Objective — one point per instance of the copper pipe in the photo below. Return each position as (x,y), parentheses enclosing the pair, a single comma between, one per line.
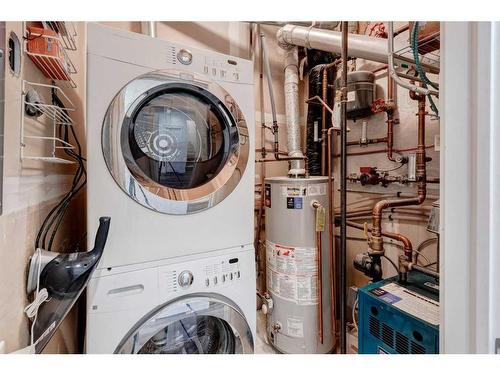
(324,87)
(331,227)
(390,116)
(376,244)
(379,151)
(369,142)
(263,152)
(319,248)
(266,150)
(320,288)
(407,245)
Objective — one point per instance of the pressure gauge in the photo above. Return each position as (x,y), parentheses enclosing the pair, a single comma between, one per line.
(185,279)
(185,57)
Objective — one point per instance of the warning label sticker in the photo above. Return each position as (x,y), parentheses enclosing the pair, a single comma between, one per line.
(295,327)
(316,189)
(410,302)
(293,191)
(292,273)
(303,191)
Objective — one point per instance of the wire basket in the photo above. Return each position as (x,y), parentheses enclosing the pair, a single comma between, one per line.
(46,49)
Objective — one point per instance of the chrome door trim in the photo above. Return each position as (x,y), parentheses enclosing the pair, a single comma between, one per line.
(149,193)
(167,313)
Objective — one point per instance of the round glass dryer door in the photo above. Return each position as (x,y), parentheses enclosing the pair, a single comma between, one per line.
(193,324)
(175,143)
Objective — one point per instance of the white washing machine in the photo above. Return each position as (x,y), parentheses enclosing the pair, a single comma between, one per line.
(189,305)
(170,147)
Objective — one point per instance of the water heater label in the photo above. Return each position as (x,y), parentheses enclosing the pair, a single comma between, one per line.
(292,273)
(293,191)
(316,189)
(267,195)
(294,203)
(303,191)
(295,327)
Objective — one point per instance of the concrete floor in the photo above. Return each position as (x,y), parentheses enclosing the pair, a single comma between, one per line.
(261,344)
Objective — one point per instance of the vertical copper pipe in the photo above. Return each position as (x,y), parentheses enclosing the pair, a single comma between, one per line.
(324,88)
(343,193)
(376,244)
(319,247)
(261,255)
(331,234)
(390,117)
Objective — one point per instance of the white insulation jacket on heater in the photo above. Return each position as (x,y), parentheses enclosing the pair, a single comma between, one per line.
(292,110)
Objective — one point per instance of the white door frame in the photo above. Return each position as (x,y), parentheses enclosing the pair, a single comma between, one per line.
(470,179)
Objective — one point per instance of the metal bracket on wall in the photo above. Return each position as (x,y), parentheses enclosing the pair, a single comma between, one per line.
(48,116)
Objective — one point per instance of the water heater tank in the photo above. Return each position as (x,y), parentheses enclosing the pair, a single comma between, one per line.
(295,322)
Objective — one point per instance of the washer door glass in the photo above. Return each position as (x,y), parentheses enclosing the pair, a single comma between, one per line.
(195,324)
(176,144)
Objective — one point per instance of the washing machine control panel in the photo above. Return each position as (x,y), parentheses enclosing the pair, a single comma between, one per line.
(222,273)
(200,275)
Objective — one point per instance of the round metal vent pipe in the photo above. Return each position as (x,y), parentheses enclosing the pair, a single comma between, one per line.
(361,46)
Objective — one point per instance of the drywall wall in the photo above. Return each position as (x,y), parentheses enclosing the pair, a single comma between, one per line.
(31,189)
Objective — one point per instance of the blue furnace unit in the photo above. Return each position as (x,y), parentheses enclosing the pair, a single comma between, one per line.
(397,318)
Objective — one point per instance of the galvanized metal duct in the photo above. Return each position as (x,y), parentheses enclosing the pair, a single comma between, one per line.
(291,62)
(360,46)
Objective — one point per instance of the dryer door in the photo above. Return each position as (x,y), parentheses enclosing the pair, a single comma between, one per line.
(192,324)
(175,142)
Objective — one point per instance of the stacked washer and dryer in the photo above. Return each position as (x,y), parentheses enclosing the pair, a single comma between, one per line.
(170,160)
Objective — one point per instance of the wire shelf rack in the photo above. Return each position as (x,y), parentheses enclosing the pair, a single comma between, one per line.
(50,116)
(55,65)
(66,31)
(428,54)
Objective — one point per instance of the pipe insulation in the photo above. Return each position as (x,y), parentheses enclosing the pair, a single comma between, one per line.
(291,87)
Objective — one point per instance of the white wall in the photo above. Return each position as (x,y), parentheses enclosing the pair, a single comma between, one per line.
(31,189)
(470,210)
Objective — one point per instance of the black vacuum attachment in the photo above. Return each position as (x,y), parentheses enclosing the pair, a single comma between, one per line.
(65,277)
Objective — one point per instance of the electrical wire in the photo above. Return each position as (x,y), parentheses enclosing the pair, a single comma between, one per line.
(391,262)
(391,170)
(353,313)
(52,222)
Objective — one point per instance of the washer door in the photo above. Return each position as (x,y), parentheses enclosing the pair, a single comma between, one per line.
(192,324)
(175,142)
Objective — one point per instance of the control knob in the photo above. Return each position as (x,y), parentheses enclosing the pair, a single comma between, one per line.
(185,279)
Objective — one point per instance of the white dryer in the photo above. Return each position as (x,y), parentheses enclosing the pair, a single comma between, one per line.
(188,305)
(170,147)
